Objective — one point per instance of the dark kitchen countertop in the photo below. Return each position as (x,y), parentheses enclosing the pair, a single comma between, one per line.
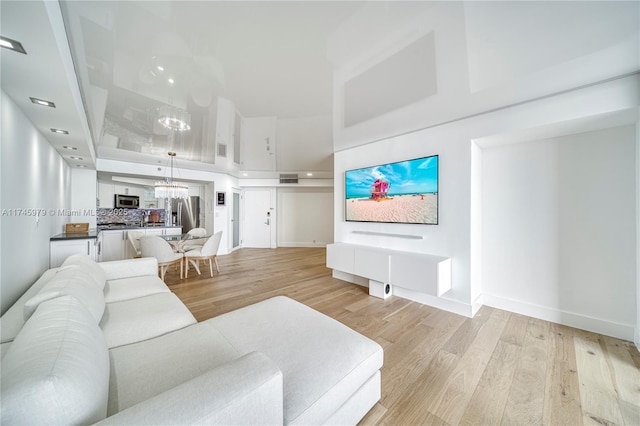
(92,234)
(120,227)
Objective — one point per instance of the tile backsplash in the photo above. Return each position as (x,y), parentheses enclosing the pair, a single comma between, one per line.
(105,216)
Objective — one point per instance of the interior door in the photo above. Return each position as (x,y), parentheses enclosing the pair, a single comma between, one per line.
(256,230)
(236,219)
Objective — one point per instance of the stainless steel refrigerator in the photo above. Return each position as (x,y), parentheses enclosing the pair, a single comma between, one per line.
(186,212)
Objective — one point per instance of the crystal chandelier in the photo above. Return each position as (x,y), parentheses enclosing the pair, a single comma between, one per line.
(170,189)
(174,118)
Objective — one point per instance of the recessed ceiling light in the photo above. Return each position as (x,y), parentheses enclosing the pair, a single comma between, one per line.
(60,131)
(245,174)
(309,174)
(43,102)
(72,148)
(76,158)
(82,166)
(171,81)
(160,68)
(14,45)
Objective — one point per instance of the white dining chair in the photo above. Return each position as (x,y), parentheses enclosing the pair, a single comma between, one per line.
(160,249)
(134,240)
(208,252)
(194,242)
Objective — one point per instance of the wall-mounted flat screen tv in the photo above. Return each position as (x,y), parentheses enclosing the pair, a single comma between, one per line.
(402,192)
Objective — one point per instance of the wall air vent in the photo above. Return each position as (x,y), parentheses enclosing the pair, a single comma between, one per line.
(222,150)
(288,178)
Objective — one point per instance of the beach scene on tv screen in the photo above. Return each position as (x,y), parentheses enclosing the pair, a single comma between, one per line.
(402,192)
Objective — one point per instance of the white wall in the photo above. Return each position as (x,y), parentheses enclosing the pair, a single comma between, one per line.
(459,209)
(33,176)
(259,143)
(83,196)
(305,144)
(558,218)
(305,217)
(450,238)
(490,90)
(476,225)
(637,333)
(222,215)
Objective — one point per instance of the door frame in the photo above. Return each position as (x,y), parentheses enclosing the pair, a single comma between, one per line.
(238,191)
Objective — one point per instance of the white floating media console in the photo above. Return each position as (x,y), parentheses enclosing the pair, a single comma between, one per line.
(423,273)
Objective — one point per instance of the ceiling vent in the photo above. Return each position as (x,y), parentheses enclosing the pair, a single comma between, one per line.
(222,150)
(288,178)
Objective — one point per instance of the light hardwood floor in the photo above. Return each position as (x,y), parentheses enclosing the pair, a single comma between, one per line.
(441,368)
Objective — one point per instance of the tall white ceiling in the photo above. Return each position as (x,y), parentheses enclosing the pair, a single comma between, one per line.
(288,59)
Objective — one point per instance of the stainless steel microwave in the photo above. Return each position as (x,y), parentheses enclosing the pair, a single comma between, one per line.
(126,201)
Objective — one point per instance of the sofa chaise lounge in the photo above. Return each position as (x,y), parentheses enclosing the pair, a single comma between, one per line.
(109,343)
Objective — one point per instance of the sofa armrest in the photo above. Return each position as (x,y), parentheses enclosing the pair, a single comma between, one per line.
(247,390)
(117,269)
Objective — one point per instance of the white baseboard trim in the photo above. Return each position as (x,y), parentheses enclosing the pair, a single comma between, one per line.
(307,244)
(596,325)
(449,305)
(476,305)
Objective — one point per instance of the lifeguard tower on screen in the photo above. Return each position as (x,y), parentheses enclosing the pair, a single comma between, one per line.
(380,190)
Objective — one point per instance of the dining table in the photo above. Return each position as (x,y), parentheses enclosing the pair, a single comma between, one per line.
(178,241)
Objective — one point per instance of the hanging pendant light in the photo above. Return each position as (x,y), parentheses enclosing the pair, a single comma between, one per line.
(170,189)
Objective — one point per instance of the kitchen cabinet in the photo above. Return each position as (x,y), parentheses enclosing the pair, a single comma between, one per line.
(173,231)
(129,190)
(149,200)
(105,195)
(161,204)
(163,231)
(59,250)
(112,245)
(106,191)
(154,232)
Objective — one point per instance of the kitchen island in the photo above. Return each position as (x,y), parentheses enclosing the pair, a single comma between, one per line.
(113,241)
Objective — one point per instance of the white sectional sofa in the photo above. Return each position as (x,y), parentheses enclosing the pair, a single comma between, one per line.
(109,343)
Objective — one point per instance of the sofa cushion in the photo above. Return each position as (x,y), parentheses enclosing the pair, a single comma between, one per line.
(243,391)
(131,321)
(74,282)
(13,320)
(323,361)
(142,370)
(85,263)
(56,371)
(4,347)
(132,288)
(116,269)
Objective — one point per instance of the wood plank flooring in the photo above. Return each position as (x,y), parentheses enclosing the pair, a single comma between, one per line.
(441,368)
